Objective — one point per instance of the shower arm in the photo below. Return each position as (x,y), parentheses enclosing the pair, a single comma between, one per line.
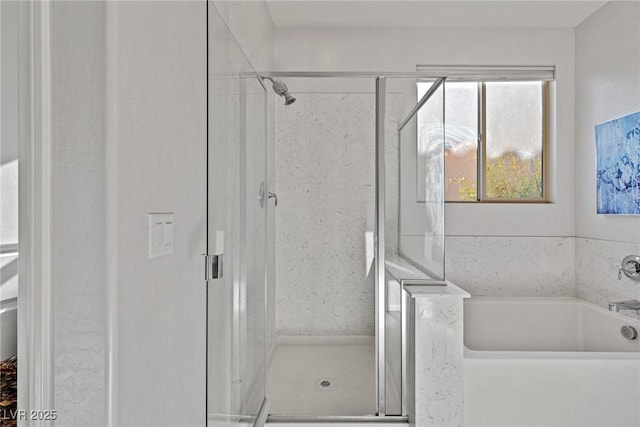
(280,88)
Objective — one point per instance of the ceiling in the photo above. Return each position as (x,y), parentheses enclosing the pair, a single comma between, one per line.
(427,13)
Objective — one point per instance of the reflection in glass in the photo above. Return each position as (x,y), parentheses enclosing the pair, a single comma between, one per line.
(430,169)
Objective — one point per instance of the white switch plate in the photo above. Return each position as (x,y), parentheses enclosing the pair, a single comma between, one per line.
(161,228)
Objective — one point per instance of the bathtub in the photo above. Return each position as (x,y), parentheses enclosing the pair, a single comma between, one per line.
(8,328)
(548,362)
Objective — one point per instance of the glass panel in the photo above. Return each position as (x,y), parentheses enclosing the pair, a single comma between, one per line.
(431,156)
(461,141)
(422,187)
(395,109)
(514,140)
(236,228)
(414,215)
(325,163)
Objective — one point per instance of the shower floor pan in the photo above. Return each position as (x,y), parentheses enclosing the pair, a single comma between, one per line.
(323,376)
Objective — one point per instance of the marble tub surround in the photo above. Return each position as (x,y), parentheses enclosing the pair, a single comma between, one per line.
(512,266)
(597,263)
(435,355)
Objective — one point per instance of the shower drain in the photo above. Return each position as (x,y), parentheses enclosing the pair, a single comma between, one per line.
(325,383)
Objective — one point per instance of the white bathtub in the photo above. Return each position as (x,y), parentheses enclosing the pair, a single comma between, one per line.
(8,328)
(548,362)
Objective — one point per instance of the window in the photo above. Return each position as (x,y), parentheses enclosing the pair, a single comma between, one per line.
(495,140)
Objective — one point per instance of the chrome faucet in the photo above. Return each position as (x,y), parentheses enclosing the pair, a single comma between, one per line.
(624,305)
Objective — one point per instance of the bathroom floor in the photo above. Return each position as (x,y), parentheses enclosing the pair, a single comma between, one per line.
(323,376)
(8,391)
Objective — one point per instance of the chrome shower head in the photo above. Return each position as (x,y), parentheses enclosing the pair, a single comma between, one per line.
(288,98)
(281,89)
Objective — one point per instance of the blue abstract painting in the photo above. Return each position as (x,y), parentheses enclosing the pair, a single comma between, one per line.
(618,164)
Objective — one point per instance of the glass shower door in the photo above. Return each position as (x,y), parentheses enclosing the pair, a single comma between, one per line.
(414,221)
(236,233)
(422,181)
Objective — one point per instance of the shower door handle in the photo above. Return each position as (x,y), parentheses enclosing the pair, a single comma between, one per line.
(213,266)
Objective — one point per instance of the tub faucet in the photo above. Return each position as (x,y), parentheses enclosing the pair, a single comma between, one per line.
(624,305)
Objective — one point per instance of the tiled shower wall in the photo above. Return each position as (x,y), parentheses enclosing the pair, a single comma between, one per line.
(325,178)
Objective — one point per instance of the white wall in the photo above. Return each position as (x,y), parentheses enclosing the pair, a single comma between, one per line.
(159,165)
(142,67)
(251,25)
(607,87)
(78,206)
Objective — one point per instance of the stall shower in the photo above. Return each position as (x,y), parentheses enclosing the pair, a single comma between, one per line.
(317,236)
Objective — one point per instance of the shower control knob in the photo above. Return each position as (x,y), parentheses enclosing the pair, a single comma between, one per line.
(630,267)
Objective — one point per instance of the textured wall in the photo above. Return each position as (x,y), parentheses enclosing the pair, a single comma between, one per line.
(511,266)
(325,183)
(78,262)
(160,166)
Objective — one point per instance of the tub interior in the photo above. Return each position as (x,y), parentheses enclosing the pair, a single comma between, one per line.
(544,324)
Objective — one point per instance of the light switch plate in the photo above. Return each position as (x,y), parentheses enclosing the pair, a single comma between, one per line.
(161,228)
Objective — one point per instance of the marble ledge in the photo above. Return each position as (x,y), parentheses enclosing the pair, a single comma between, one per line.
(425,291)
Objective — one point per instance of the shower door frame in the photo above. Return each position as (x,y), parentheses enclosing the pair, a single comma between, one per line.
(380,79)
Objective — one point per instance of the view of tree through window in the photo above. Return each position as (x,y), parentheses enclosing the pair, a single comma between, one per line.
(514,142)
(510,151)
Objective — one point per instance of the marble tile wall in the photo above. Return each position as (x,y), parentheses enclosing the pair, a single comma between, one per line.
(597,263)
(541,266)
(325,181)
(435,358)
(511,266)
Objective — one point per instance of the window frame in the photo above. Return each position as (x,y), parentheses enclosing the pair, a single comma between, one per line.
(481,191)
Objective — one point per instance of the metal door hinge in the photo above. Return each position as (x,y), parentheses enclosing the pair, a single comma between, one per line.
(213,266)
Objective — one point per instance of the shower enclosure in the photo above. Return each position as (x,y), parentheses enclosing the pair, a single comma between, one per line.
(312,235)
